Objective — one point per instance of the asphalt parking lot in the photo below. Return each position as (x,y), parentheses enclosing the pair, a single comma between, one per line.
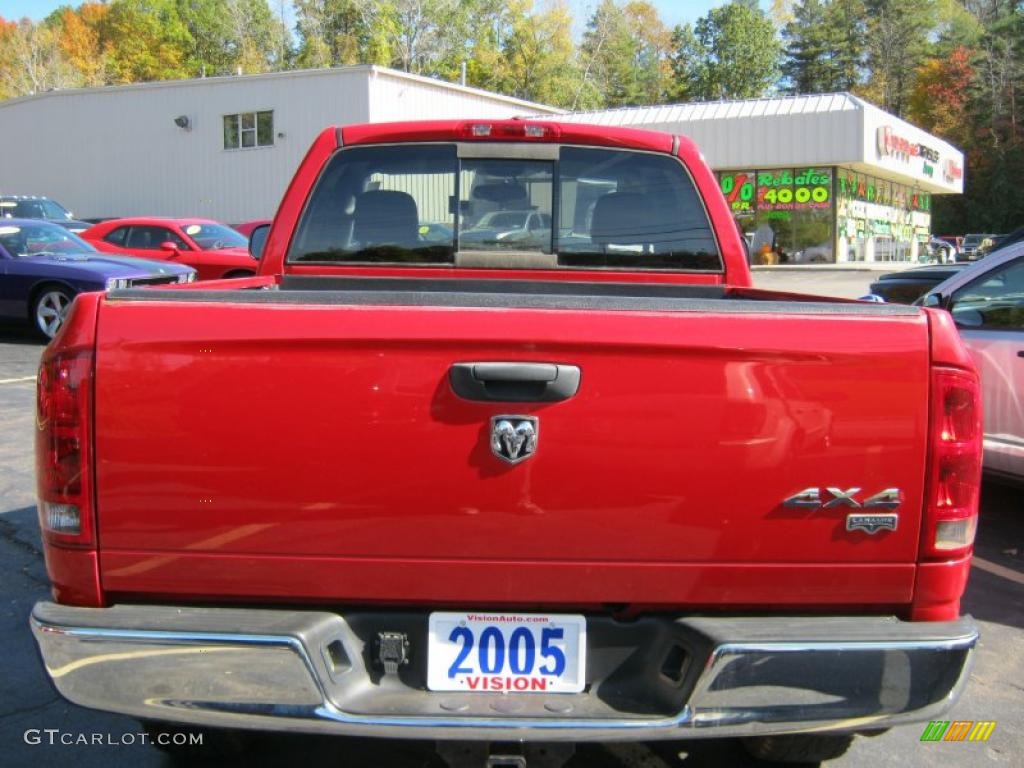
(29,705)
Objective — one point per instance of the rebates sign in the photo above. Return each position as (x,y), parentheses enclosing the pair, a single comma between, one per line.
(786,190)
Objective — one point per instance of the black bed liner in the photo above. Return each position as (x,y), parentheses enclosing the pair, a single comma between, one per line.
(522,294)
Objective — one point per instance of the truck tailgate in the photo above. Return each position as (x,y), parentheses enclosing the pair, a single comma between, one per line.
(309,446)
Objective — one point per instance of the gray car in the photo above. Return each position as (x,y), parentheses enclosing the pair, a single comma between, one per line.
(987,302)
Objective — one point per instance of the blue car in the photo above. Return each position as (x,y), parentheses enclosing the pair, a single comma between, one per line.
(36,207)
(43,266)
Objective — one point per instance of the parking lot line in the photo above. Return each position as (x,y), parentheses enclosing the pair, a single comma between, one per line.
(998,570)
(18,380)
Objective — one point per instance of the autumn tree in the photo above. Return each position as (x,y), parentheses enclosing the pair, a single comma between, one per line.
(332,33)
(625,54)
(420,34)
(147,40)
(7,31)
(228,35)
(941,95)
(489,26)
(31,60)
(897,44)
(540,57)
(78,36)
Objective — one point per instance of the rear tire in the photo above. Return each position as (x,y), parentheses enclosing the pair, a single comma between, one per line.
(798,748)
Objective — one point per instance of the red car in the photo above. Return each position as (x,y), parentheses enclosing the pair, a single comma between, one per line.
(246,227)
(215,250)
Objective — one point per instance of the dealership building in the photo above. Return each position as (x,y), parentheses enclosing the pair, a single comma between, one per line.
(817,178)
(220,147)
(813,178)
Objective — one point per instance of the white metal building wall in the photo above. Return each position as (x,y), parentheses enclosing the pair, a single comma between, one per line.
(117,152)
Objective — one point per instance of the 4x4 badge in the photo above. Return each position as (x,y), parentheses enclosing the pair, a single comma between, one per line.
(514,438)
(815,498)
(869,520)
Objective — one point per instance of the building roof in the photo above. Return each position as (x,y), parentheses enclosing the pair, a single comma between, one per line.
(719,110)
(369,70)
(817,130)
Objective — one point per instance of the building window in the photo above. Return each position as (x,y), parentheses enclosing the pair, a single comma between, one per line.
(249,129)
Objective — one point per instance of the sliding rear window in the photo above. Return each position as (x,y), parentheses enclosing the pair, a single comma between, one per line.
(592,208)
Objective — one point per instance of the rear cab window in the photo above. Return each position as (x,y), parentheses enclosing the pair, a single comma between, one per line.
(581,208)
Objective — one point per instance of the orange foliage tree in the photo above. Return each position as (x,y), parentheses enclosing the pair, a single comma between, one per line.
(80,41)
(940,99)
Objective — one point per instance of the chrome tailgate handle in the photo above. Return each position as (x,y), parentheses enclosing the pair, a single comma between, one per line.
(514,382)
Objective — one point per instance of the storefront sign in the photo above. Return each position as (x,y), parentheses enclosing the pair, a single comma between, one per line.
(891,144)
(738,188)
(857,186)
(786,190)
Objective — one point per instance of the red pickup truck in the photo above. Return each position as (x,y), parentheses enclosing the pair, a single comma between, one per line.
(500,445)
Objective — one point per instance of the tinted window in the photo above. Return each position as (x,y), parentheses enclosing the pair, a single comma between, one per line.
(372,203)
(631,210)
(417,203)
(994,301)
(499,202)
(149,238)
(117,236)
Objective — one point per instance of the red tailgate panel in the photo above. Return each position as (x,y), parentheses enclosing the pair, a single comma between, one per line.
(317,451)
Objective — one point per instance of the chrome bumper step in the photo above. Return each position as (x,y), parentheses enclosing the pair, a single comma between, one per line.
(653,678)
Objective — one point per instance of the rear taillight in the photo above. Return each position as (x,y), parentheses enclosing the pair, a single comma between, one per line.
(63,448)
(954,471)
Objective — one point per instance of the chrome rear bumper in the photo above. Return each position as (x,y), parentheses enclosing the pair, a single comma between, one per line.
(307,671)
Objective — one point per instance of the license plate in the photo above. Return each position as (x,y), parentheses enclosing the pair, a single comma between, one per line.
(510,653)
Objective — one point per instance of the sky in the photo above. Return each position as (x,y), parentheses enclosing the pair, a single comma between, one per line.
(672,11)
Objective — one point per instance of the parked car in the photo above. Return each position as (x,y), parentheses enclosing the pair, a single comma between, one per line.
(970,246)
(908,285)
(509,229)
(246,227)
(987,303)
(36,207)
(815,254)
(43,267)
(432,232)
(213,249)
(599,491)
